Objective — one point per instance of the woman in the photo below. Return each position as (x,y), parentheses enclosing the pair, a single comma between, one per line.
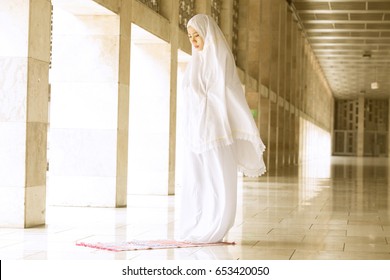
(221,136)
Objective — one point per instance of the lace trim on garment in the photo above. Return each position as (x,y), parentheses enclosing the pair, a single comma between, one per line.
(259,148)
(251,173)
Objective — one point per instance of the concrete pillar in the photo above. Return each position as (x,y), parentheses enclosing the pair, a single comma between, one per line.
(24,66)
(123,103)
(242,44)
(174,27)
(227,20)
(203,7)
(265,48)
(281,151)
(388,134)
(253,39)
(274,86)
(289,126)
(294,136)
(360,129)
(264,123)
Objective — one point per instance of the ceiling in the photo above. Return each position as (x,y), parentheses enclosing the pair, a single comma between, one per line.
(351,39)
(82,7)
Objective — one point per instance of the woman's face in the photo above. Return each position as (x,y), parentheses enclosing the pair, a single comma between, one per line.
(195,39)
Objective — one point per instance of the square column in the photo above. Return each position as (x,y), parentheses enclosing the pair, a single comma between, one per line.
(360,128)
(24,67)
(203,6)
(123,103)
(174,27)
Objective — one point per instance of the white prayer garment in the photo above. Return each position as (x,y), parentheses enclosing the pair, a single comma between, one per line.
(221,137)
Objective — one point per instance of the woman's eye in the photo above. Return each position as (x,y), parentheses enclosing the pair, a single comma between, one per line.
(193,36)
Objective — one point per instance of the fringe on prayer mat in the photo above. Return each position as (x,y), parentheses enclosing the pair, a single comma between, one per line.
(147,245)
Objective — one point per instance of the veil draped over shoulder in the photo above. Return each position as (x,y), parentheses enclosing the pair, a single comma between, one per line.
(216,111)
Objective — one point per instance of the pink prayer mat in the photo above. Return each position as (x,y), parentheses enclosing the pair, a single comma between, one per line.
(146,245)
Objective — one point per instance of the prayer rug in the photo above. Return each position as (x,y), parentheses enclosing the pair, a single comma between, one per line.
(146,245)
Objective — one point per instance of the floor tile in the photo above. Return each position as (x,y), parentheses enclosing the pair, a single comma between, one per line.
(295,215)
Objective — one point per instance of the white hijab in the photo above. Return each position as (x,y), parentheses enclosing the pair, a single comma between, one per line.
(217,113)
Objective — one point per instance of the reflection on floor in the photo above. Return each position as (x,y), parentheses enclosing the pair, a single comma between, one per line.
(336,209)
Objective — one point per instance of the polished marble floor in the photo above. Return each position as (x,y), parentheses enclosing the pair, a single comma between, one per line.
(332,209)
